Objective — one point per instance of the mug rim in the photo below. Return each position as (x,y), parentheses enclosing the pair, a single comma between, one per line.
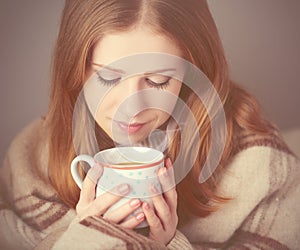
(130,166)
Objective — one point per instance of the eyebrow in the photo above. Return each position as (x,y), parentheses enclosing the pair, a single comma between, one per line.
(123,72)
(109,68)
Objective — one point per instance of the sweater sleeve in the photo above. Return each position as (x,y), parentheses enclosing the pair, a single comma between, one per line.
(97,233)
(179,241)
(263,183)
(33,217)
(90,233)
(47,226)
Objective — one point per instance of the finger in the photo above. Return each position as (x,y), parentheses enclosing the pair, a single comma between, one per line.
(152,219)
(167,181)
(88,191)
(95,172)
(134,221)
(161,207)
(166,176)
(123,211)
(106,200)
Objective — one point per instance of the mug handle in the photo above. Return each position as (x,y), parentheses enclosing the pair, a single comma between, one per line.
(74,167)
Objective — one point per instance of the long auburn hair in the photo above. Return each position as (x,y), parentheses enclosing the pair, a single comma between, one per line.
(190,25)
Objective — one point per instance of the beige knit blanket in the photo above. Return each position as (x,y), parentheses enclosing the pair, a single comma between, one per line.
(263,178)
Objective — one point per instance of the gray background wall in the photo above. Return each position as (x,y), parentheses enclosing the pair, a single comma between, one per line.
(261,40)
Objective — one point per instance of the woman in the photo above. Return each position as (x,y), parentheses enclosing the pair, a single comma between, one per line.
(249,200)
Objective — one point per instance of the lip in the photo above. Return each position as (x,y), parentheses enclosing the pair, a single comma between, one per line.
(130,128)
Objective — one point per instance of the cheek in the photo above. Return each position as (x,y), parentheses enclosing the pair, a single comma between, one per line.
(109,102)
(176,87)
(163,116)
(105,109)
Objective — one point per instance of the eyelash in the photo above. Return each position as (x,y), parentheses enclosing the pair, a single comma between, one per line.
(108,82)
(151,83)
(161,85)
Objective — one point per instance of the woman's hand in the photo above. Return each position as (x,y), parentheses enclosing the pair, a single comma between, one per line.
(88,205)
(163,218)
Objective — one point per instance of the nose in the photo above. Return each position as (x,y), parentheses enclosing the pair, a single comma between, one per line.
(133,85)
(133,101)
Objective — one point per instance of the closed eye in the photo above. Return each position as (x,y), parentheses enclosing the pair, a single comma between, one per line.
(108,82)
(157,84)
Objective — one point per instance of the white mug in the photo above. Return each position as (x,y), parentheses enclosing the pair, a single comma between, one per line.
(136,166)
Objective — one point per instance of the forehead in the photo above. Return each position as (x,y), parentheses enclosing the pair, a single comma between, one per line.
(115,46)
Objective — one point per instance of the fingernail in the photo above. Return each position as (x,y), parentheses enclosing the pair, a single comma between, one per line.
(168,163)
(135,203)
(95,172)
(140,216)
(123,188)
(154,189)
(146,206)
(161,171)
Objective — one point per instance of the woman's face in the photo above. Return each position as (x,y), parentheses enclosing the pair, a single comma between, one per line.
(115,112)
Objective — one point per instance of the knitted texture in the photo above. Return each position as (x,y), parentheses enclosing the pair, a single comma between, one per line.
(262,179)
